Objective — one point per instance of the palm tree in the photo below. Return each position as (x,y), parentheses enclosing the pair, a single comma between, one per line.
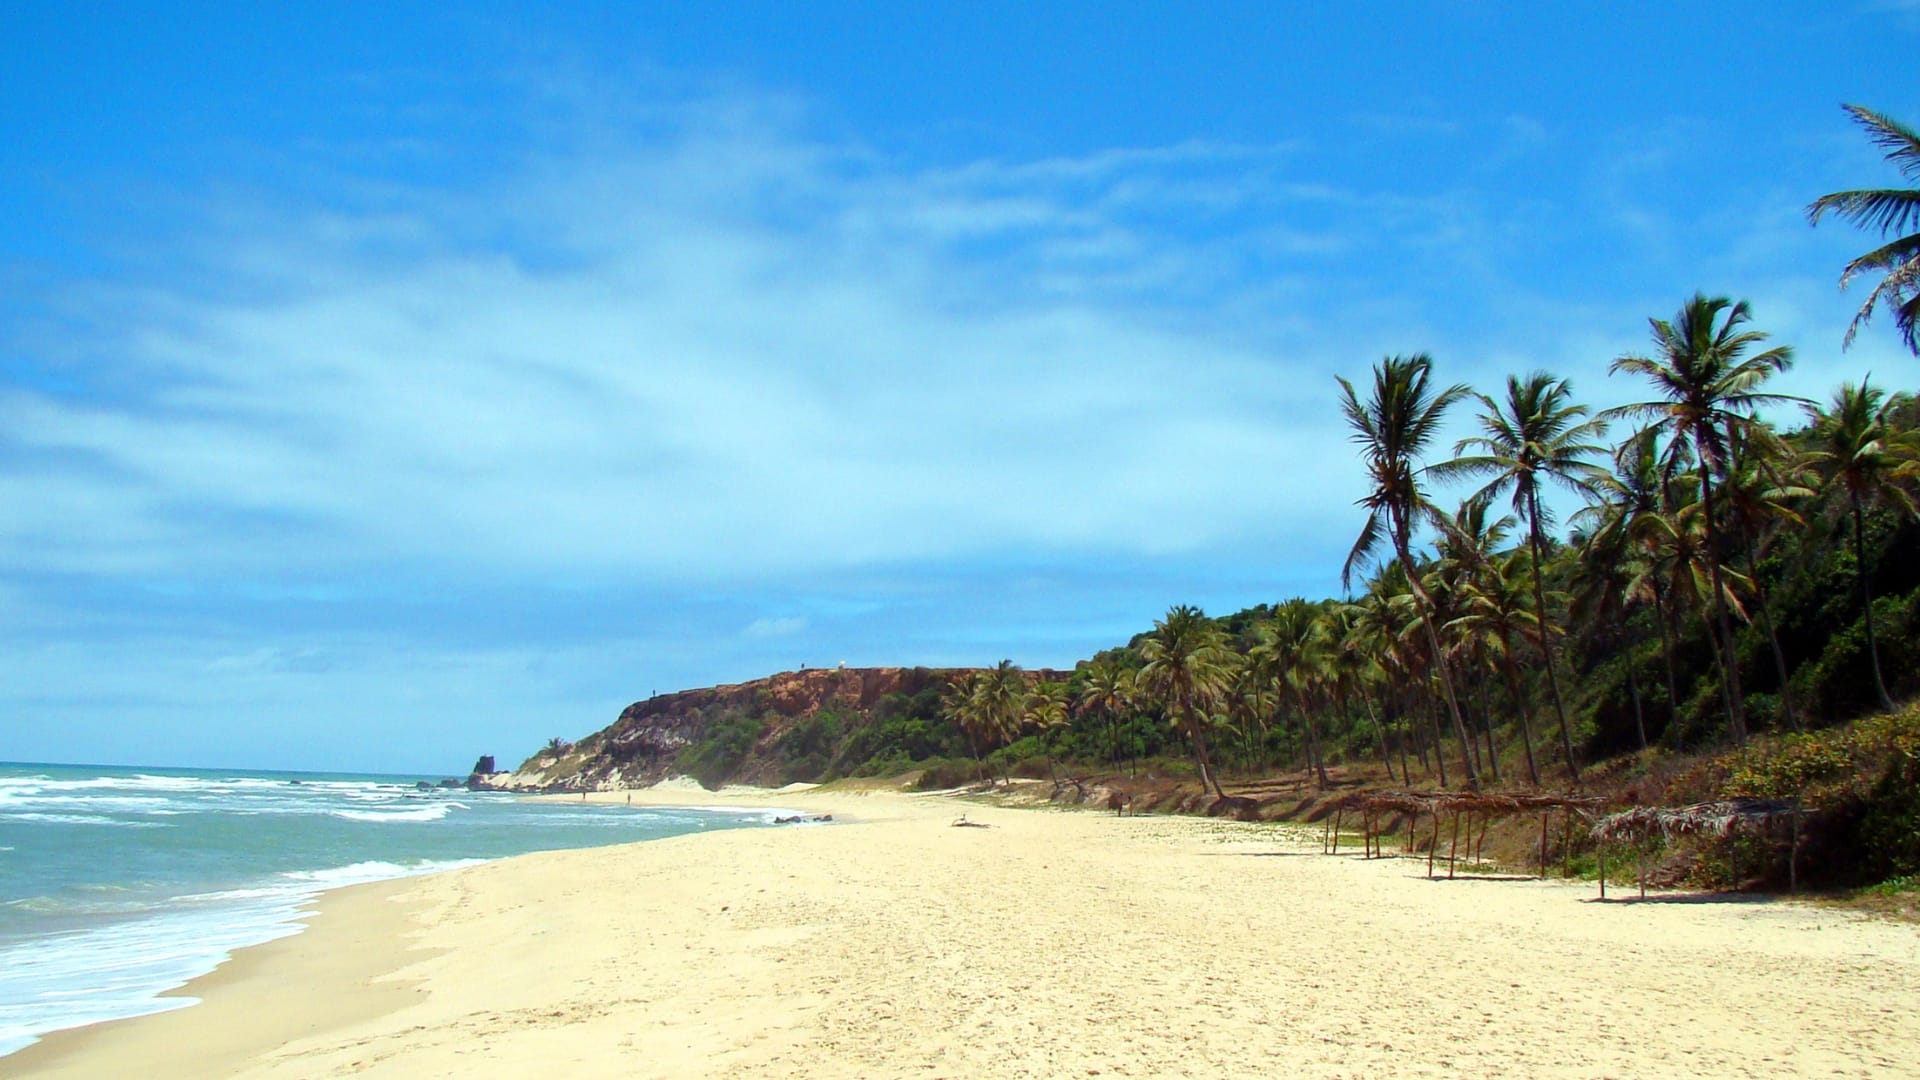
(1394,428)
(1759,496)
(1282,655)
(1534,439)
(1708,389)
(1466,545)
(1856,446)
(1108,692)
(960,706)
(1190,668)
(1353,665)
(1379,621)
(1601,596)
(1887,210)
(1253,702)
(1625,503)
(1493,616)
(1682,567)
(1000,702)
(1046,712)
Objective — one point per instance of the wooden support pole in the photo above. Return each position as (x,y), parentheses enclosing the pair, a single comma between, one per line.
(1454,851)
(1480,848)
(1602,847)
(1793,855)
(1543,842)
(1336,830)
(1435,845)
(1566,843)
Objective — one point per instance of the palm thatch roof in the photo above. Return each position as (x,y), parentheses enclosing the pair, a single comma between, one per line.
(1718,818)
(1486,803)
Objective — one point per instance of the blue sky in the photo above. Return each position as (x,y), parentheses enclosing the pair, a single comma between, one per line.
(383,386)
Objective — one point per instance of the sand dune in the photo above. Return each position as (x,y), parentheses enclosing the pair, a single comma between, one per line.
(1051,944)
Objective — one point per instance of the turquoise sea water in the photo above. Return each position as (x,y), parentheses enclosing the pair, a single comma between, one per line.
(119,883)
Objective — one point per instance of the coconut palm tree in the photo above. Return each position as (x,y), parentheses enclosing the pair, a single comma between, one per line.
(1760,496)
(1682,566)
(1000,703)
(1886,210)
(1535,439)
(1354,667)
(1283,655)
(1600,600)
(1108,692)
(1381,616)
(1190,668)
(1625,503)
(1494,617)
(1394,428)
(1045,711)
(1252,705)
(1709,392)
(960,706)
(1866,461)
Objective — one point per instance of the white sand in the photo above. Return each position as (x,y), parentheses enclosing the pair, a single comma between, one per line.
(1051,944)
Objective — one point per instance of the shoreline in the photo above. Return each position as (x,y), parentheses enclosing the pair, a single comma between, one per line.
(1051,943)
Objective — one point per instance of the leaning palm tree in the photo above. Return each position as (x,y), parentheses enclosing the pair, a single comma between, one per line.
(1887,210)
(1863,457)
(1394,428)
(1190,668)
(1535,439)
(1709,392)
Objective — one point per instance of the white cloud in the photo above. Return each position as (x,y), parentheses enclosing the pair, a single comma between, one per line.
(732,353)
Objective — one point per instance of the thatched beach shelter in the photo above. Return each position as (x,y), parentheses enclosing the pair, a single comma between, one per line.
(1375,808)
(1760,817)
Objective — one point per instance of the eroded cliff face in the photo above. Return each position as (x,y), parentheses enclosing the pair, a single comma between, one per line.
(643,745)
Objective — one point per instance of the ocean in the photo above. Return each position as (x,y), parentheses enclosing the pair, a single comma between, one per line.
(117,884)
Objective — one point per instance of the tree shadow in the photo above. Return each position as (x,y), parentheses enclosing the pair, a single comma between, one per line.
(1687,898)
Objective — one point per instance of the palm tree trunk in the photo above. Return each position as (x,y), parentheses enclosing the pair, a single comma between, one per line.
(1425,605)
(1766,623)
(1729,660)
(1525,714)
(1866,603)
(1379,730)
(1664,613)
(1546,638)
(1316,761)
(1439,762)
(1486,725)
(1633,686)
(1207,777)
(1389,710)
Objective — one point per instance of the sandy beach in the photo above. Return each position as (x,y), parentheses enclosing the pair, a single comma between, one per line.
(1049,944)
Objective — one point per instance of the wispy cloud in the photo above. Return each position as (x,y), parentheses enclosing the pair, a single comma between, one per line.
(673,395)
